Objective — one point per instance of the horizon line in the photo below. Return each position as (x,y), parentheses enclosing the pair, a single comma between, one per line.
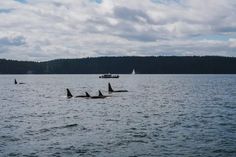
(117,57)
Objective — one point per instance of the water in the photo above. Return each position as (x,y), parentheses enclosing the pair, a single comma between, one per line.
(161,115)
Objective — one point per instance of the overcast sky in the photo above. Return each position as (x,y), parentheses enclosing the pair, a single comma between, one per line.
(48,29)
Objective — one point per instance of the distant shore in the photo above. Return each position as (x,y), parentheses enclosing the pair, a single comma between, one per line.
(124,65)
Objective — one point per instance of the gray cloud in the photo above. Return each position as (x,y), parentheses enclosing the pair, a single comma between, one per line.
(227,29)
(5,10)
(16,41)
(132,15)
(43,30)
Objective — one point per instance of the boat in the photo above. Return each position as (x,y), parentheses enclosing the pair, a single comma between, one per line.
(133,72)
(109,76)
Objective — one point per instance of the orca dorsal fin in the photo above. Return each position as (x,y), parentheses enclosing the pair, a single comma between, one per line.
(110,88)
(87,94)
(69,95)
(15,81)
(100,93)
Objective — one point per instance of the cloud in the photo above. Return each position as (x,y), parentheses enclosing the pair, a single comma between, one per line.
(43,30)
(16,41)
(5,11)
(232,43)
(132,15)
(21,1)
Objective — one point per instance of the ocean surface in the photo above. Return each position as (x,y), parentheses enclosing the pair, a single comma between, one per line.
(161,115)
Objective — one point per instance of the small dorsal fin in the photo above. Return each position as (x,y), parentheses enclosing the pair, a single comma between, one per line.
(87,94)
(110,88)
(69,95)
(15,81)
(100,93)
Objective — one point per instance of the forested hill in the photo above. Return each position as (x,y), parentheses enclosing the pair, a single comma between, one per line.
(124,65)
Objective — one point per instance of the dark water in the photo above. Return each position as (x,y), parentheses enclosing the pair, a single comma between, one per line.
(161,115)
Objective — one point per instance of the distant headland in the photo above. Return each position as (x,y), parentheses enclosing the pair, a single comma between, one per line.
(124,65)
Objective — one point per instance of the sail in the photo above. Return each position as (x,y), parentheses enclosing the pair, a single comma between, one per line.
(133,72)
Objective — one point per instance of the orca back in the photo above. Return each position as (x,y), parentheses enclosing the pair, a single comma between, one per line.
(100,93)
(87,94)
(110,88)
(69,95)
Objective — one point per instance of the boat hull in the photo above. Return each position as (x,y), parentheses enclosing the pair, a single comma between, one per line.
(108,77)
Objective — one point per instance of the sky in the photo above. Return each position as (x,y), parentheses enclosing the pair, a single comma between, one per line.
(42,30)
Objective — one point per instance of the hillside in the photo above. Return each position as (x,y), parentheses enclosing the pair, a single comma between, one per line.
(124,65)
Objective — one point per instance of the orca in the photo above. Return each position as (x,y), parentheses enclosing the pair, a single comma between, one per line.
(69,95)
(17,82)
(110,90)
(100,96)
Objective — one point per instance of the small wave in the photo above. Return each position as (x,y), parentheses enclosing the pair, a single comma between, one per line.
(9,138)
(229,105)
(30,155)
(57,127)
(141,155)
(44,130)
(69,148)
(15,117)
(126,142)
(65,126)
(10,126)
(81,151)
(136,141)
(224,151)
(69,126)
(146,116)
(140,135)
(56,154)
(14,154)
(112,120)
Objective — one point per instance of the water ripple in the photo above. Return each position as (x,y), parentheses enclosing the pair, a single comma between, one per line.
(161,115)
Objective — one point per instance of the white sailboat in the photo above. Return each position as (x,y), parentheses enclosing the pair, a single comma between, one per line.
(133,72)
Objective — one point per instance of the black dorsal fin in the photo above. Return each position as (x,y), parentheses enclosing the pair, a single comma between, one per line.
(110,88)
(87,94)
(15,81)
(100,93)
(69,95)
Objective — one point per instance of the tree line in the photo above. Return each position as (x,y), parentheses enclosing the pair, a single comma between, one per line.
(124,65)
